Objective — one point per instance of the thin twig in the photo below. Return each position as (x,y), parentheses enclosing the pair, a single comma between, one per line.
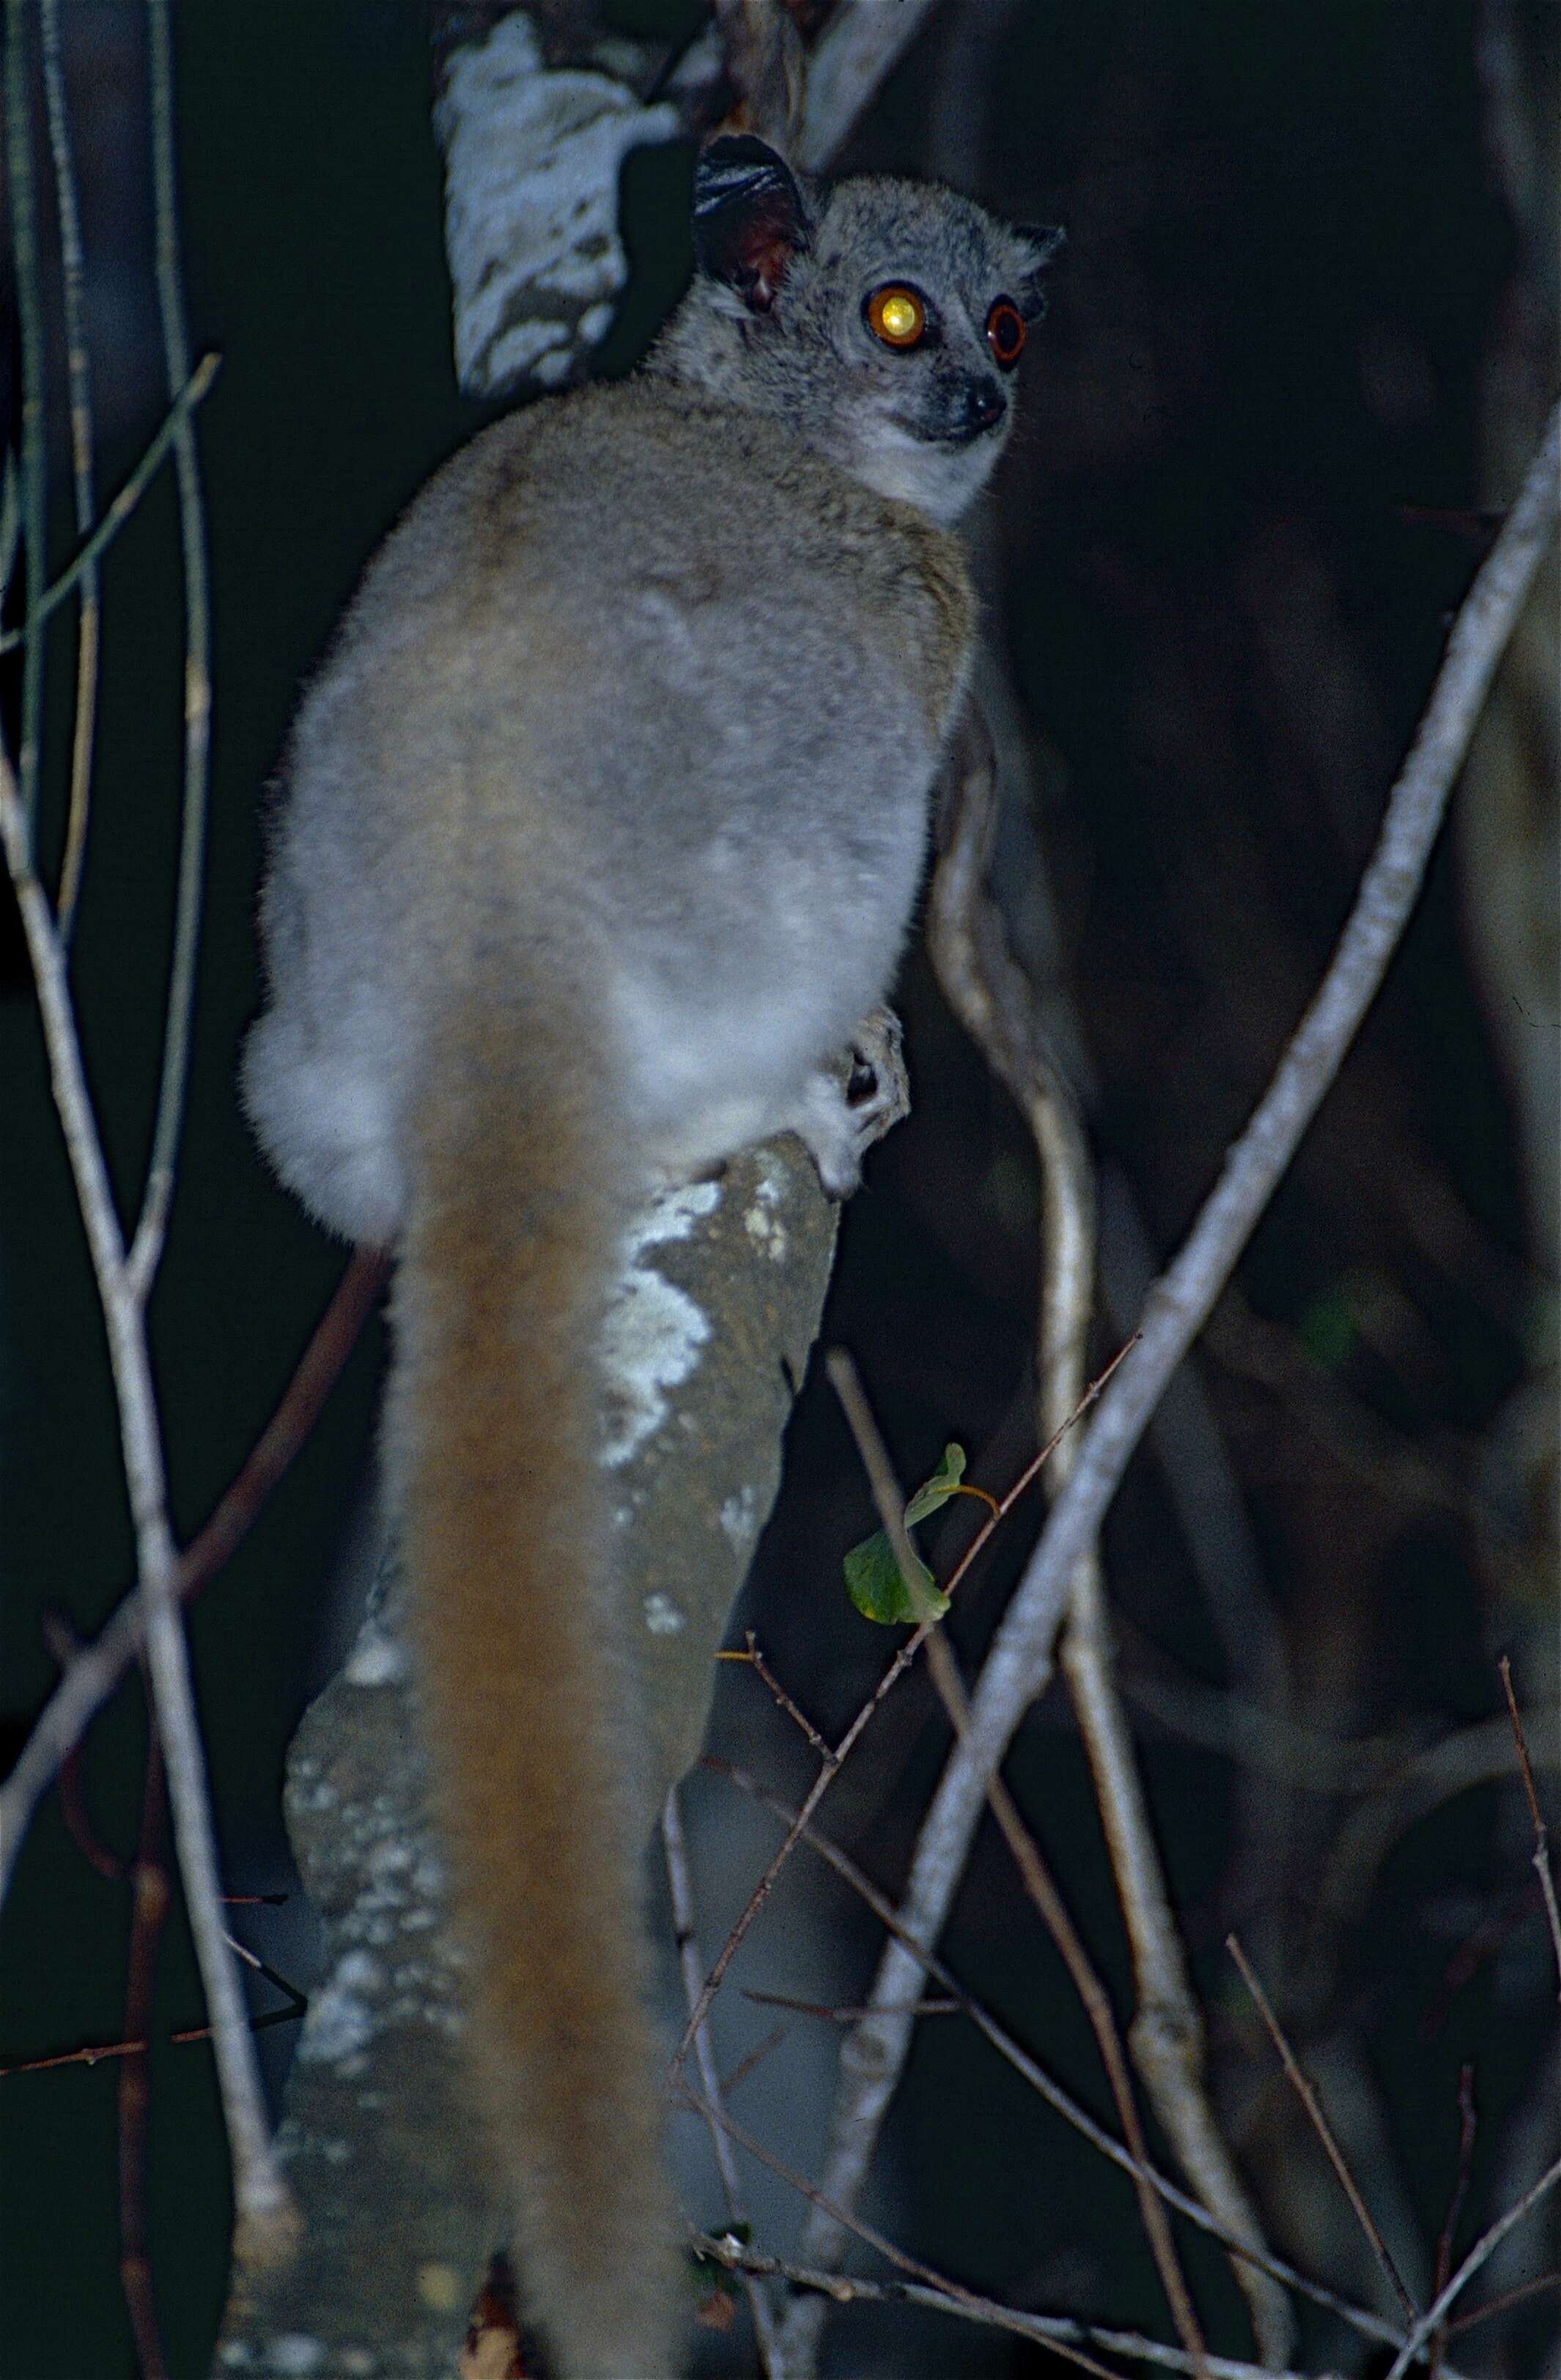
(79,373)
(687,1939)
(1047,2329)
(1039,1883)
(756,1660)
(1449,2232)
(952,2293)
(1321,2126)
(93,1673)
(124,504)
(1486,2245)
(34,457)
(756,2057)
(1541,1833)
(146,1245)
(834,2014)
(1020,1661)
(1359,2318)
(263,2203)
(151,1895)
(833,1761)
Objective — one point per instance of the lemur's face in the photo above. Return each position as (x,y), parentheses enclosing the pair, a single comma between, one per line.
(887,324)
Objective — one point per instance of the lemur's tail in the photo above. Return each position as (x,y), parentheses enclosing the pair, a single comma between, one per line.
(515,1203)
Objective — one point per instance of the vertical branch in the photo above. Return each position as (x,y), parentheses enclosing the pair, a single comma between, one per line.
(79,370)
(149,1886)
(692,1968)
(147,1247)
(34,458)
(263,2205)
(992,998)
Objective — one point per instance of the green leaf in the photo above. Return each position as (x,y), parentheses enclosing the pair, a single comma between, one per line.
(872,1574)
(943,1483)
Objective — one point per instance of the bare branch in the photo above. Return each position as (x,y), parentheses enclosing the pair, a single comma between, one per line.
(1360,2319)
(1320,2125)
(1488,2242)
(1038,1882)
(1047,2329)
(990,994)
(92,1674)
(79,369)
(1020,1660)
(263,2201)
(687,1939)
(1541,1837)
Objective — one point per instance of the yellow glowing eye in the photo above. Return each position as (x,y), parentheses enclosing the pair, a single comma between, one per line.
(896,315)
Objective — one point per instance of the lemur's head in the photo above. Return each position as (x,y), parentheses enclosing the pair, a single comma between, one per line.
(882,320)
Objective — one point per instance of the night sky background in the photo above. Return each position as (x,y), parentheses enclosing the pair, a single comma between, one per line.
(1253,479)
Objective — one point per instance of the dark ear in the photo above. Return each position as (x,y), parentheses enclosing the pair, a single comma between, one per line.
(749,220)
(1040,243)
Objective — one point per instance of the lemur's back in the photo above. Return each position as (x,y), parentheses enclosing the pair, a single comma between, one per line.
(604,824)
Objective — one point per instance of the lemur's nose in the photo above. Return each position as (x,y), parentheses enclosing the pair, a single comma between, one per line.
(985,404)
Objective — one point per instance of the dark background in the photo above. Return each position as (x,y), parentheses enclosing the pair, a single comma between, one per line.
(1245,495)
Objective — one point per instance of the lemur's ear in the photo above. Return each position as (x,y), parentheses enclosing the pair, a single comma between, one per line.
(749,218)
(1039,243)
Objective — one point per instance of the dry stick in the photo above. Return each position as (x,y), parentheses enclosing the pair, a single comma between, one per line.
(124,504)
(689,1961)
(33,460)
(262,2203)
(950,2292)
(1369,2325)
(993,1000)
(92,1674)
(1541,1834)
(834,1760)
(1504,2303)
(1448,2233)
(1019,1662)
(1047,2329)
(1321,2126)
(146,1246)
(1431,2321)
(79,373)
(1038,1882)
(149,1884)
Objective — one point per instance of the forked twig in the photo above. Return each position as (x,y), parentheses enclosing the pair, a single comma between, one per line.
(950,2292)
(263,2203)
(1321,2126)
(1047,2329)
(1432,2320)
(1359,2318)
(833,1760)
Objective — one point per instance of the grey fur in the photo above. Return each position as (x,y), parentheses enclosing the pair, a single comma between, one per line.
(604,822)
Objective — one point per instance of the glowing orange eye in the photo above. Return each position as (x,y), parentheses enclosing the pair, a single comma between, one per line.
(897,315)
(1004,334)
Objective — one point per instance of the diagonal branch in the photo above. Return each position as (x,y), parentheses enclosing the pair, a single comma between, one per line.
(1020,1661)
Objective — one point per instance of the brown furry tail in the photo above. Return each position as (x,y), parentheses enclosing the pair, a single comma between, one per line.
(507,1257)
